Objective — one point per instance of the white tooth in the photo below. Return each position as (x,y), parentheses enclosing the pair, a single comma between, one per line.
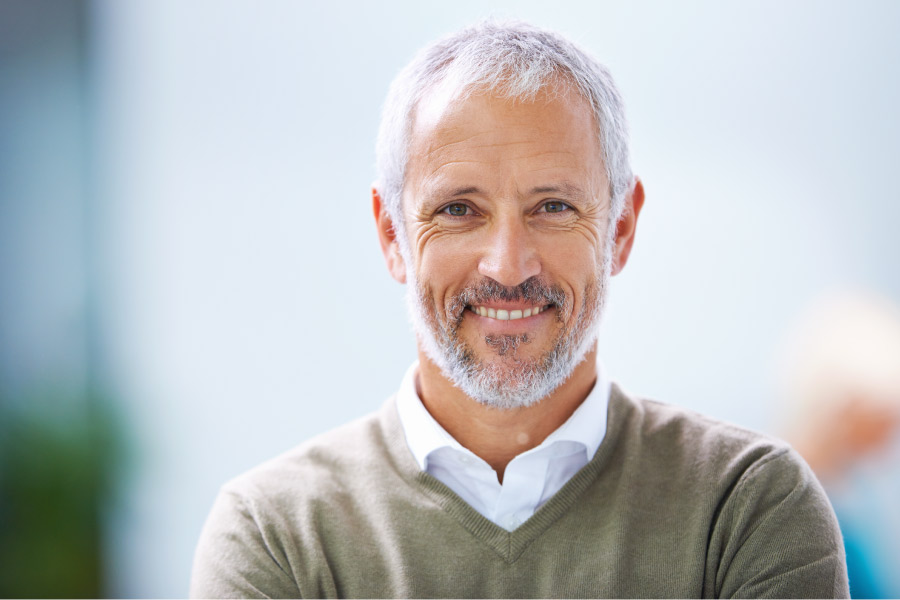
(482,311)
(492,313)
(538,310)
(516,314)
(503,315)
(527,312)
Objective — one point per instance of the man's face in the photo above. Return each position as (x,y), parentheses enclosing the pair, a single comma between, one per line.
(506,210)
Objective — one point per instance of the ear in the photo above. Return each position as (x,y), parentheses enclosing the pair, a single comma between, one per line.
(627,225)
(387,237)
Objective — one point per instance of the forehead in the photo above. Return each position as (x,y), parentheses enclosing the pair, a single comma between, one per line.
(497,140)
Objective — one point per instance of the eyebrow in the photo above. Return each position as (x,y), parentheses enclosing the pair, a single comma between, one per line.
(565,187)
(464,191)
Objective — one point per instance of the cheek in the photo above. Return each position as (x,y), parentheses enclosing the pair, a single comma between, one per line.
(574,260)
(578,270)
(445,257)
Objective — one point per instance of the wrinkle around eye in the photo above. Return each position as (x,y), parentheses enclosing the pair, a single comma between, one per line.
(454,224)
(423,233)
(427,232)
(564,221)
(593,232)
(590,225)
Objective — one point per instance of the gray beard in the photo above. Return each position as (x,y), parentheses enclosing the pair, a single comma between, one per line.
(510,381)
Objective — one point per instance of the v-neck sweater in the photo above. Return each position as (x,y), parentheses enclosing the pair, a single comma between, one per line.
(673,504)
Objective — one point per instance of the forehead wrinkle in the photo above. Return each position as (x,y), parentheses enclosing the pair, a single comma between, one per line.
(432,149)
(550,168)
(436,174)
(559,154)
(462,126)
(546,153)
(448,147)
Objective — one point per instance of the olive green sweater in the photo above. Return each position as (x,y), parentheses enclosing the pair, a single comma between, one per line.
(672,505)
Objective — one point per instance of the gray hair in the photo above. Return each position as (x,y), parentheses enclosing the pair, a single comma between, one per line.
(512,60)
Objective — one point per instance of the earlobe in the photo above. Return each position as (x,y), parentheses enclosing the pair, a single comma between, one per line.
(387,238)
(627,225)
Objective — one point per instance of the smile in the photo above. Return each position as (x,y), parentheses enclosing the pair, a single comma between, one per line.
(507,315)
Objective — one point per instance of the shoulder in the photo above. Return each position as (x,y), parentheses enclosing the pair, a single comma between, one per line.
(731,475)
(328,463)
(263,532)
(755,497)
(681,438)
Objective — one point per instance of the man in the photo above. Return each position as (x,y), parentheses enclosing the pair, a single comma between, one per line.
(507,464)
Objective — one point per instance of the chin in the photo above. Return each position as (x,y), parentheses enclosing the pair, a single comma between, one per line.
(506,381)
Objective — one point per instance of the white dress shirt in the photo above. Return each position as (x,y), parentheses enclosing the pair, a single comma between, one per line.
(530,479)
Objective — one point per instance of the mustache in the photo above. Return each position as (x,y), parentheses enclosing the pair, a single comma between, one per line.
(532,290)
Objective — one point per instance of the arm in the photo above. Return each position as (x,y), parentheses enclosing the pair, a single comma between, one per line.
(238,556)
(777,535)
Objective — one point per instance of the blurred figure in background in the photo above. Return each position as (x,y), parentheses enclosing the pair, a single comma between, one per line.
(840,379)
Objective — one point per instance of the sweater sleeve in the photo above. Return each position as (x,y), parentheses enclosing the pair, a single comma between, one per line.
(777,535)
(235,558)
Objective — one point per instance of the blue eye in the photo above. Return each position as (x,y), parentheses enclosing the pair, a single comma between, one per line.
(456,210)
(555,206)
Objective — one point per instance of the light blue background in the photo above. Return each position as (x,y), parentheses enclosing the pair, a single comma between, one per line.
(242,298)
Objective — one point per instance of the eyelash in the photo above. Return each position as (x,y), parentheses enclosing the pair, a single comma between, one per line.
(469,209)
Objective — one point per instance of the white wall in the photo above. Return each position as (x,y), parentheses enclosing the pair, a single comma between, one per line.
(246,304)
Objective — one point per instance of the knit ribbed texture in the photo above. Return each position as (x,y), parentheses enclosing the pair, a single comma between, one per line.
(672,505)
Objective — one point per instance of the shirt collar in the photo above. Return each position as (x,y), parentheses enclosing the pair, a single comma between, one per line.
(424,435)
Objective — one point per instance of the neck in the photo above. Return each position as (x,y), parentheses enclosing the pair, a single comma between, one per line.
(499,435)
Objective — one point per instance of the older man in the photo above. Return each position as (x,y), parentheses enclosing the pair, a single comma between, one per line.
(507,464)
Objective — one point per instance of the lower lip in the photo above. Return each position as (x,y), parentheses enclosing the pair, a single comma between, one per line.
(511,326)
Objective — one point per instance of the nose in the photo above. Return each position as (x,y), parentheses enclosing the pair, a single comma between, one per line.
(509,256)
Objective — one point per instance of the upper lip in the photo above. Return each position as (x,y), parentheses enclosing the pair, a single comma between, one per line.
(501,305)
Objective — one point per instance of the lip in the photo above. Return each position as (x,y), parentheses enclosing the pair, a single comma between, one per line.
(509,305)
(524,324)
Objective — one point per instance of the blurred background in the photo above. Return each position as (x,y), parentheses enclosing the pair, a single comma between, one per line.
(190,282)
